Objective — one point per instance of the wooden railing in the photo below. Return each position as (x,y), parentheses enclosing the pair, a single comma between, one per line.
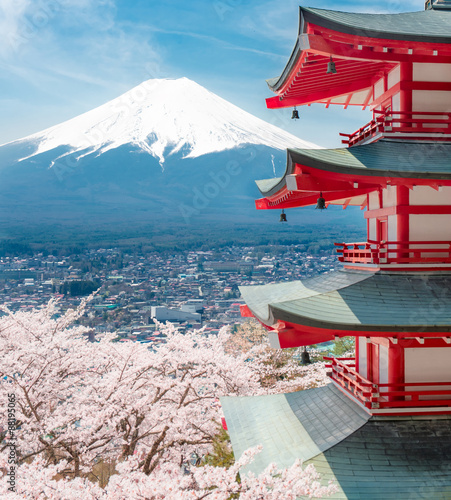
(400,122)
(345,375)
(395,252)
(380,396)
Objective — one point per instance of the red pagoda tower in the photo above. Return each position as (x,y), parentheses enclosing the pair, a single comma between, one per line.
(394,291)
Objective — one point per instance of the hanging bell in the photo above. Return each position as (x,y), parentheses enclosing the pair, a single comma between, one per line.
(305,357)
(295,114)
(283,217)
(320,202)
(331,69)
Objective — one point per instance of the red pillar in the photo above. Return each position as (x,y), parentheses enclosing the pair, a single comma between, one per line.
(406,70)
(372,356)
(395,368)
(357,354)
(402,220)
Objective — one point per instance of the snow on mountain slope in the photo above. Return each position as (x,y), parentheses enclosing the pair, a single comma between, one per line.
(163,117)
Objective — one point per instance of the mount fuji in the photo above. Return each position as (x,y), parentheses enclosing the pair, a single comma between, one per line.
(166,148)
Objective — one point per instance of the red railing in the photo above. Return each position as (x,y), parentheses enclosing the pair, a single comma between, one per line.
(380,396)
(400,122)
(395,252)
(349,379)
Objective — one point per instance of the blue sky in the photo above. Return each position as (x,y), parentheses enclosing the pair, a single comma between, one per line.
(59,58)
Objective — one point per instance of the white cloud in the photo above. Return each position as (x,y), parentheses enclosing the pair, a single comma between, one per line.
(31,22)
(12,14)
(215,40)
(79,40)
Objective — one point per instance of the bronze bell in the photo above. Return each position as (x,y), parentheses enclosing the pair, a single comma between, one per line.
(295,114)
(331,69)
(283,217)
(305,357)
(320,202)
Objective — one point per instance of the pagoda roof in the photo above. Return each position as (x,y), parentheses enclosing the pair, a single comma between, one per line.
(363,46)
(387,157)
(422,26)
(353,301)
(307,430)
(369,165)
(368,458)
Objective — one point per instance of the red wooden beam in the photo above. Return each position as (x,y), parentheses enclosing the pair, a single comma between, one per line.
(318,44)
(245,311)
(409,210)
(306,200)
(407,47)
(319,95)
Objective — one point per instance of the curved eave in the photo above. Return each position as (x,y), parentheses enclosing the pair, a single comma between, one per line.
(363,46)
(344,175)
(347,302)
(430,26)
(385,158)
(356,328)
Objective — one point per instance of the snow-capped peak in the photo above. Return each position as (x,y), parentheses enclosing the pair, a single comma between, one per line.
(163,117)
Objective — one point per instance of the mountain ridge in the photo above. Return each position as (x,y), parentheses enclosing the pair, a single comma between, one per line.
(162,117)
(104,167)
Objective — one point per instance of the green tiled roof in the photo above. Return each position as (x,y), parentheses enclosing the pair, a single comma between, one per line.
(347,300)
(258,298)
(406,159)
(370,459)
(268,184)
(290,426)
(397,459)
(425,25)
(431,26)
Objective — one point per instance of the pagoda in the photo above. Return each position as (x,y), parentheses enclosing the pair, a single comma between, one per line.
(382,428)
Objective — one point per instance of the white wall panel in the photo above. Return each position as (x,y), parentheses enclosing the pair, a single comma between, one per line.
(389,196)
(372,231)
(428,364)
(431,100)
(425,195)
(430,228)
(392,228)
(394,76)
(378,88)
(383,364)
(363,363)
(431,72)
(373,201)
(396,102)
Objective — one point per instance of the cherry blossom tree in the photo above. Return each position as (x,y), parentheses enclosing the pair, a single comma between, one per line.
(167,482)
(79,404)
(278,370)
